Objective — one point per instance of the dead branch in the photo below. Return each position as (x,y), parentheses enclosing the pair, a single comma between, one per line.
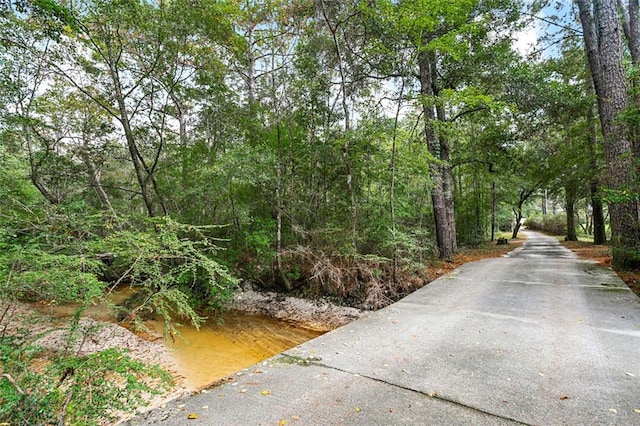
(13,383)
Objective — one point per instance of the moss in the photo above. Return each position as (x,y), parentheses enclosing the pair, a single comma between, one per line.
(613,287)
(305,362)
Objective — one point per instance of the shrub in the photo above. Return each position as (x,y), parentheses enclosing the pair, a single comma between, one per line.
(37,387)
(552,224)
(171,266)
(68,257)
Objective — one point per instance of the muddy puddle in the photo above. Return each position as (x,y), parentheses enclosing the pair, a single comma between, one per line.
(219,350)
(216,350)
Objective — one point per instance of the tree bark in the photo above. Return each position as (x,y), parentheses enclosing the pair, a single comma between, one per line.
(570,199)
(605,57)
(279,209)
(447,186)
(93,173)
(440,169)
(392,187)
(518,214)
(598,220)
(599,228)
(34,174)
(631,28)
(132,146)
(517,211)
(494,203)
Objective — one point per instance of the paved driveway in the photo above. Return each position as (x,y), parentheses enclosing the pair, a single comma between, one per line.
(538,337)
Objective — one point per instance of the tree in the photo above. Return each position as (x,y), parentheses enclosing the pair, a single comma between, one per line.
(334,20)
(602,38)
(136,62)
(442,39)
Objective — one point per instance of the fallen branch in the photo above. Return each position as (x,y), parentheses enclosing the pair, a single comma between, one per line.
(13,383)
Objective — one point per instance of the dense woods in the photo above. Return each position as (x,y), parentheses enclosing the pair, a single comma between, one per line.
(320,147)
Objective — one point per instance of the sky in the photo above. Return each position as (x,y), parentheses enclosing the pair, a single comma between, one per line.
(526,41)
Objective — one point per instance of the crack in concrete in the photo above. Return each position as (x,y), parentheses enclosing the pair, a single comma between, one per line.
(433,395)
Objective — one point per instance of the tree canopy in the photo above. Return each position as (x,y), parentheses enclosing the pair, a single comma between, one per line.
(345,128)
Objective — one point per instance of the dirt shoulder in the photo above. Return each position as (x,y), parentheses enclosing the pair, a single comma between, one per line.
(485,250)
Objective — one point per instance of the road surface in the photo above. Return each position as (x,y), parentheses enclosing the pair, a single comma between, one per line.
(538,337)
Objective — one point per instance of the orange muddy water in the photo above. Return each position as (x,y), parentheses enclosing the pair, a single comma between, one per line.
(219,350)
(216,350)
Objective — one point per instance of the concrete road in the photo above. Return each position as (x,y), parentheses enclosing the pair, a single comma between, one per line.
(538,337)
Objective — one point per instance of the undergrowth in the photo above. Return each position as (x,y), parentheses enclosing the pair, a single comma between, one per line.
(63,385)
(366,282)
(372,282)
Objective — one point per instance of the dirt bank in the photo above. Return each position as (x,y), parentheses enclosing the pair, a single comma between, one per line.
(319,315)
(52,333)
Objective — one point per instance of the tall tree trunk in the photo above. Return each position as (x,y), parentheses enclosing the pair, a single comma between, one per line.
(34,174)
(447,178)
(392,190)
(517,211)
(494,203)
(279,210)
(251,69)
(570,199)
(598,221)
(132,146)
(440,170)
(605,57)
(250,77)
(518,222)
(93,173)
(477,193)
(631,27)
(181,116)
(134,154)
(280,273)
